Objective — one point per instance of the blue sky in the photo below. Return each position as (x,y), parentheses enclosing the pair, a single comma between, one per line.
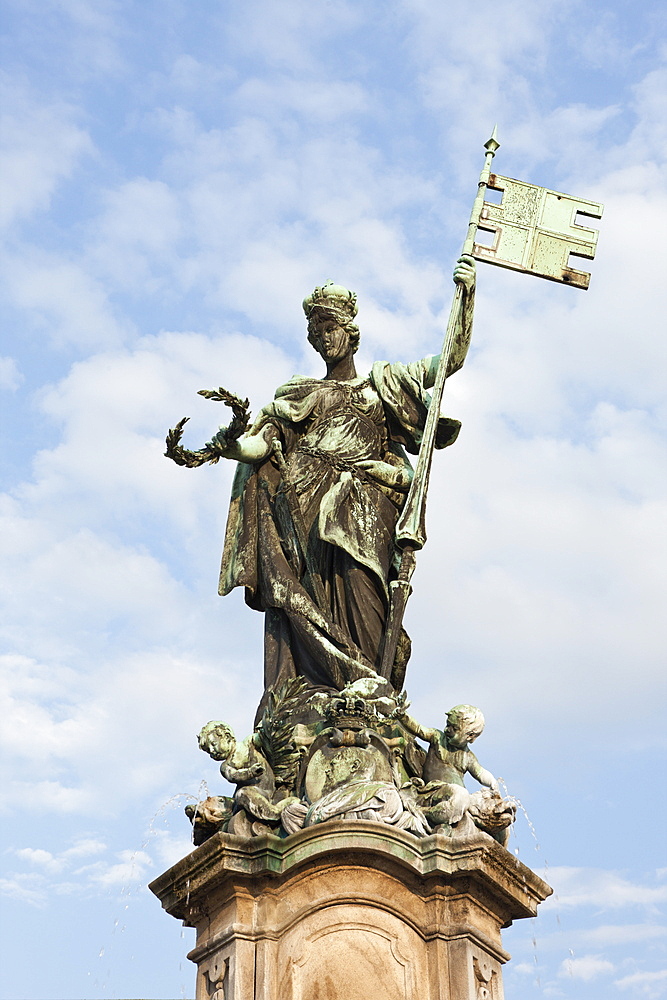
(176,178)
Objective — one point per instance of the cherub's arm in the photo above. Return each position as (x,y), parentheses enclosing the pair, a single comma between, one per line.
(241,767)
(480,773)
(414,727)
(240,775)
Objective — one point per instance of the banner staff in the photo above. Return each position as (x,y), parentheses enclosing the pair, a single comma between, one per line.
(411,526)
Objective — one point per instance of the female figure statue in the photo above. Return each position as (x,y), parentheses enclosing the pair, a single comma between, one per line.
(322,476)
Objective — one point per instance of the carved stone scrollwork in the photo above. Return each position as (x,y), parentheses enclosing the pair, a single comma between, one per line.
(216,978)
(485,980)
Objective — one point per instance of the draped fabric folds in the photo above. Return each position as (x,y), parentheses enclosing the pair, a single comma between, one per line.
(345,444)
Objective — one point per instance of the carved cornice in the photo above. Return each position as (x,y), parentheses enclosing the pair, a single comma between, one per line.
(436,864)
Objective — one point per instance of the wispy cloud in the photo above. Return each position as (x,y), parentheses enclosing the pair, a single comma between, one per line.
(42,144)
(608,935)
(123,872)
(587,967)
(25,888)
(645,984)
(10,376)
(130,868)
(578,887)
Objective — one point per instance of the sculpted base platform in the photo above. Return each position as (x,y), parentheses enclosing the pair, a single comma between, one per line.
(349,911)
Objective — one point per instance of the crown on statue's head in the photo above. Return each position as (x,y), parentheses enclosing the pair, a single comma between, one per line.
(334,299)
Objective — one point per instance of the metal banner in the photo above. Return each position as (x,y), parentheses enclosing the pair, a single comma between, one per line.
(536,230)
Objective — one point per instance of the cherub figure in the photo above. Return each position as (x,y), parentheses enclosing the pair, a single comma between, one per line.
(444,797)
(246,767)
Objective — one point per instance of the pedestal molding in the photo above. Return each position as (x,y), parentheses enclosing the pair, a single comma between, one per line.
(433,933)
(225,855)
(290,918)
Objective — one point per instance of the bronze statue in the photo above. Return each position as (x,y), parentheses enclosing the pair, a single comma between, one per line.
(325,520)
(322,476)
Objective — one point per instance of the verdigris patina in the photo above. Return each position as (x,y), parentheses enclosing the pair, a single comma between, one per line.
(322,476)
(356,759)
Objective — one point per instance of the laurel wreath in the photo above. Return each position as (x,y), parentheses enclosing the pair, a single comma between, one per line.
(215,449)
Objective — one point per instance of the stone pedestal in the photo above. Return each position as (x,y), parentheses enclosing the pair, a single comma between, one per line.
(349,911)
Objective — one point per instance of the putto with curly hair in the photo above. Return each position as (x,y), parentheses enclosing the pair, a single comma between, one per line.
(217,740)
(467,720)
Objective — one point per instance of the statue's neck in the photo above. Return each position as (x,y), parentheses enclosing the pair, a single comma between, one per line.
(342,370)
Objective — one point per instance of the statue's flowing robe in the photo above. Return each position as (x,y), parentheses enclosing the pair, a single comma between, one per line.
(326,428)
(373,801)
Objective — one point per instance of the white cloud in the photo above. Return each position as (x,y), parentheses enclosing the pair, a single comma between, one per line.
(524,968)
(647,984)
(609,935)
(322,100)
(82,35)
(576,131)
(129,869)
(80,573)
(135,239)
(115,410)
(169,848)
(42,146)
(84,848)
(587,968)
(43,797)
(56,747)
(603,44)
(196,76)
(238,184)
(505,47)
(54,864)
(61,297)
(10,376)
(297,40)
(40,858)
(25,888)
(649,138)
(58,874)
(574,887)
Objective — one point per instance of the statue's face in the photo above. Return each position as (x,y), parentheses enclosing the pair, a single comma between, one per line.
(459,735)
(219,744)
(343,769)
(328,337)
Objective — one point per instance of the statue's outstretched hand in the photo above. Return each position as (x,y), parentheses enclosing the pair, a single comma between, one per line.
(223,444)
(465,272)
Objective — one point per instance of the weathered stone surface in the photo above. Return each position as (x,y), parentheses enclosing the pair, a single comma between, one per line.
(349,911)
